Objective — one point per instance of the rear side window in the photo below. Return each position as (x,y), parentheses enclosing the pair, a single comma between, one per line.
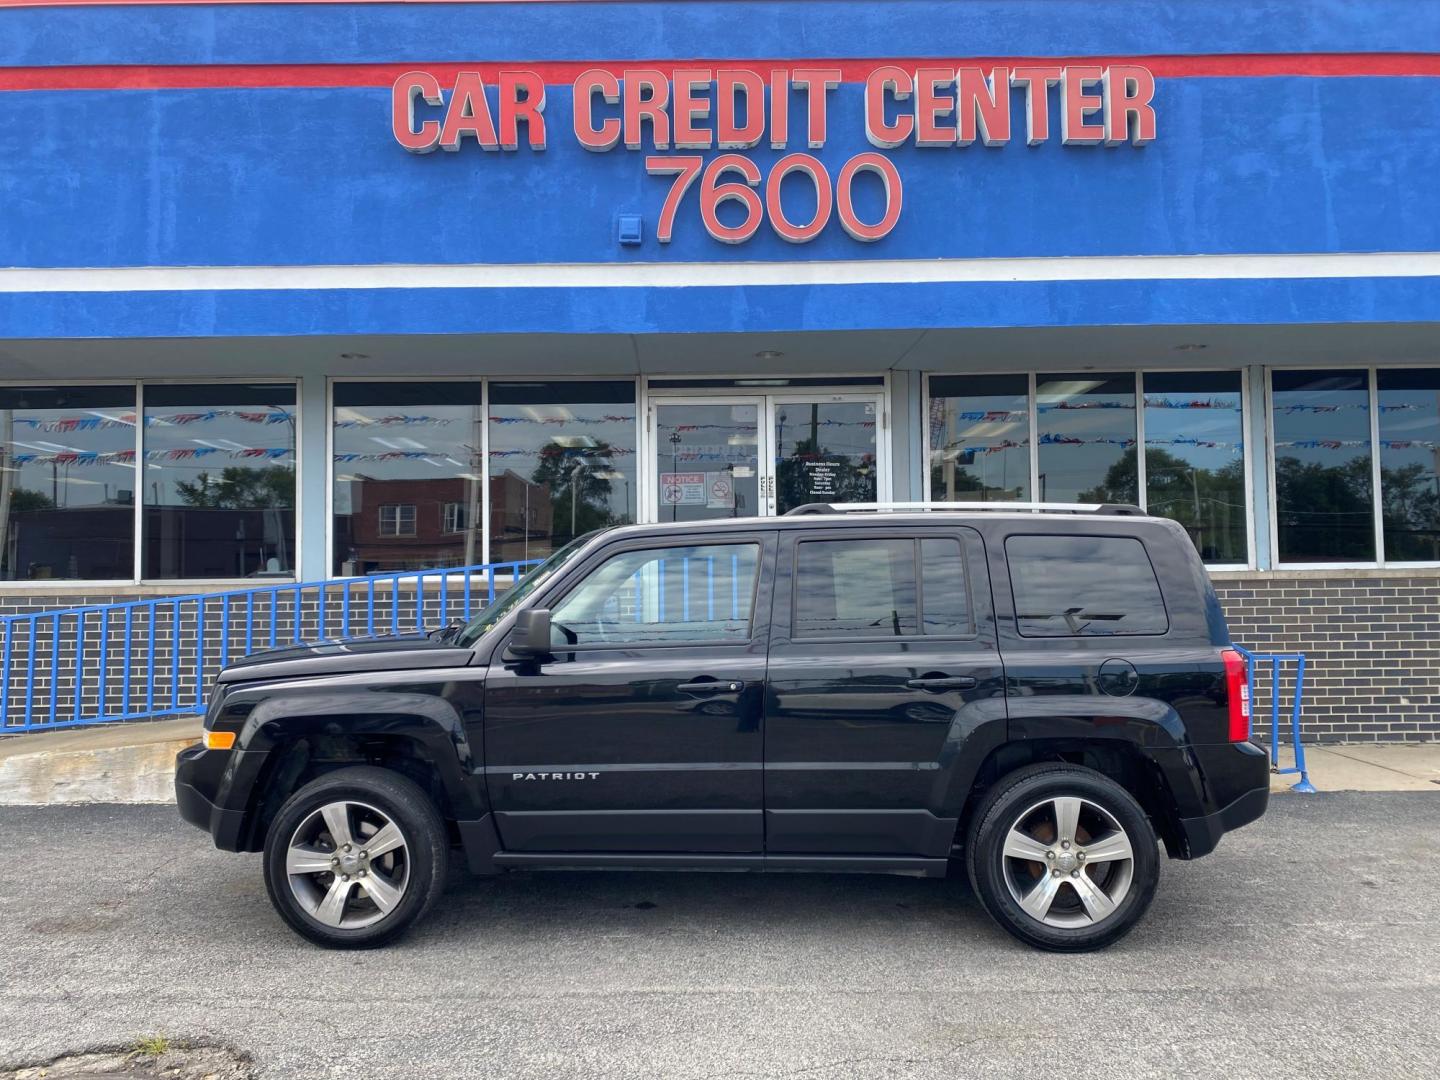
(868,588)
(1084,586)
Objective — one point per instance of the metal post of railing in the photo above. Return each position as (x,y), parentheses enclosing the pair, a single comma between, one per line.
(5,676)
(102,696)
(79,662)
(1304,785)
(200,655)
(30,676)
(54,667)
(125,683)
(224,631)
(150,660)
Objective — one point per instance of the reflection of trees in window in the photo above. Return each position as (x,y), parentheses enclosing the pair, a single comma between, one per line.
(240,488)
(1410,507)
(579,481)
(1324,511)
(845,478)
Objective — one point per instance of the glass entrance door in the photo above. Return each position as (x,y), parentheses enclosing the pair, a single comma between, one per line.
(716,457)
(706,458)
(826,449)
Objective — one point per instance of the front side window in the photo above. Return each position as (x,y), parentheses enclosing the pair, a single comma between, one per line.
(219,481)
(67,483)
(1324,510)
(1084,586)
(668,596)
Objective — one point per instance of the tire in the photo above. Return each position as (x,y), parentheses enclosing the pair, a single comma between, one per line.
(368,899)
(1058,901)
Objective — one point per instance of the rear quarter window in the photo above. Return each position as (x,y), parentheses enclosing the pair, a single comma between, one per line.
(1084,586)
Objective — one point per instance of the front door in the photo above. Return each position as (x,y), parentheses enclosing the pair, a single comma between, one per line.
(642,731)
(741,456)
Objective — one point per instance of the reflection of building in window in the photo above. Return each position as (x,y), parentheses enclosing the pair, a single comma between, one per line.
(456,519)
(397,519)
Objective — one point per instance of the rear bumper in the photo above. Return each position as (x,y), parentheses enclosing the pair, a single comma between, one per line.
(1203,833)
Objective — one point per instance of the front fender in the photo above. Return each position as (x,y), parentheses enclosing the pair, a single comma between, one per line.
(440,716)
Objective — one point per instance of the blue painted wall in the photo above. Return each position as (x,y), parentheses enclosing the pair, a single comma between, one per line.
(312,176)
(124,178)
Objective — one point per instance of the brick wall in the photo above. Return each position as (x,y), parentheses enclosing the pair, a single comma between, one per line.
(1371,641)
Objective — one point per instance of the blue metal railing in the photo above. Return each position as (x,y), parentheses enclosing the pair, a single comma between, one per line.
(1274,687)
(148,658)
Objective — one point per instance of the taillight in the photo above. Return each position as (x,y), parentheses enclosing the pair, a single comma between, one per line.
(1237,692)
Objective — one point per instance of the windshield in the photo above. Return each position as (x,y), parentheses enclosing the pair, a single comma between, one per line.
(492,615)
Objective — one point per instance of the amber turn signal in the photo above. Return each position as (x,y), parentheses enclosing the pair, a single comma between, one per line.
(219,740)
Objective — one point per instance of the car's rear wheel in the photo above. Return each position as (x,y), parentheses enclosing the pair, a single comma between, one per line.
(355,857)
(1063,858)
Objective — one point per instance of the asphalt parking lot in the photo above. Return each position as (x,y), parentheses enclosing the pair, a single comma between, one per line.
(1306,946)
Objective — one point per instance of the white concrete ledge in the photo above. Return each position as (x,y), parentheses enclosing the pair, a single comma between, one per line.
(108,763)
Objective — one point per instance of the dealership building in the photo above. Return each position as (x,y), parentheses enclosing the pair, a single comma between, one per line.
(302,291)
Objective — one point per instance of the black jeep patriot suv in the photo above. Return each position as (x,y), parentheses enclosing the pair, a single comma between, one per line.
(1042,695)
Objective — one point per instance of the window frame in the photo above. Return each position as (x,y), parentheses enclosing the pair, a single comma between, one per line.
(551,600)
(1248,459)
(61,586)
(914,535)
(399,517)
(1377,497)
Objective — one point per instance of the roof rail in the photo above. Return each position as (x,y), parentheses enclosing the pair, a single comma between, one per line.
(1118,509)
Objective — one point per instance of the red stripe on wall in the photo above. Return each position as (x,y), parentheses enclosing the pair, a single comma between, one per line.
(203,76)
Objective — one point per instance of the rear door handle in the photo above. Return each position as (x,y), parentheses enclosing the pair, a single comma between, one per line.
(959,682)
(712,686)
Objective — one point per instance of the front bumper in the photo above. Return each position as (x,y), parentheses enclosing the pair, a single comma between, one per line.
(199,772)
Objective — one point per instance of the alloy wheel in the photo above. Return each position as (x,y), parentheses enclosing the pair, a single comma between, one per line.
(347,865)
(1067,862)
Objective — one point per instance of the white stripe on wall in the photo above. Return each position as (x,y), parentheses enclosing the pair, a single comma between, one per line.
(693,274)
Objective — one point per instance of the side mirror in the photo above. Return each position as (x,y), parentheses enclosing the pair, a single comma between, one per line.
(531,638)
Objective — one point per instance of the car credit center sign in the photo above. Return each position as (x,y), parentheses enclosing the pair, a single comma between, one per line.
(728,109)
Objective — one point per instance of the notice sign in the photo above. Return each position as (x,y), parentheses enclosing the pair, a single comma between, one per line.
(822,478)
(682,489)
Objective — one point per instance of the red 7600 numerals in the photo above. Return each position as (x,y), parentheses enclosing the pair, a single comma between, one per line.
(716,187)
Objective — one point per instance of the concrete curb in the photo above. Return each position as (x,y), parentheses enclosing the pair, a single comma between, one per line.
(116,763)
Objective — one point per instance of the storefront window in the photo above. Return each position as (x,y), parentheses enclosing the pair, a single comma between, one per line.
(219,481)
(1086,431)
(67,483)
(1323,492)
(1409,404)
(1195,458)
(979,438)
(409,470)
(562,462)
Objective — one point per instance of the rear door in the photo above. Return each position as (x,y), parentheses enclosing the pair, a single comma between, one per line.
(642,732)
(883,663)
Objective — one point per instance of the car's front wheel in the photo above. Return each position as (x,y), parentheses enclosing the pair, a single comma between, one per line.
(355,856)
(1063,857)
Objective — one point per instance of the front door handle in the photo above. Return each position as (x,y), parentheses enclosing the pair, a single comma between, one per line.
(959,682)
(712,686)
